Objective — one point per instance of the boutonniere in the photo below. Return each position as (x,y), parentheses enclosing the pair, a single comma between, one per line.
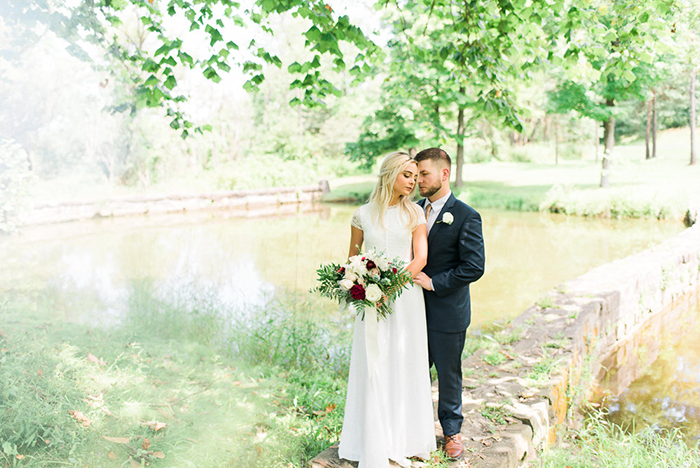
(447,218)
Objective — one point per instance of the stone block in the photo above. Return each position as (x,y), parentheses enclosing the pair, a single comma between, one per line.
(535,415)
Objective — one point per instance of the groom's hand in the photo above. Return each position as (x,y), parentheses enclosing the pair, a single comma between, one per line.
(423,281)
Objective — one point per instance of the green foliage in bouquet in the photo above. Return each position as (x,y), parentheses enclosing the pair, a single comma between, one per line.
(366,280)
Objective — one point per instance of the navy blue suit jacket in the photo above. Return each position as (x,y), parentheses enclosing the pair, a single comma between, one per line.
(455,259)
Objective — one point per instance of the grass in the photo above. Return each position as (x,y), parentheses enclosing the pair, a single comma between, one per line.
(175,379)
(542,369)
(497,414)
(508,336)
(603,444)
(663,188)
(545,302)
(493,358)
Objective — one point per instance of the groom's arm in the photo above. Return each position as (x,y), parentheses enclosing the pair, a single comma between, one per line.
(471,259)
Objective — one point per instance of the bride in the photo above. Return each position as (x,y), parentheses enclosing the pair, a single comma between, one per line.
(388,412)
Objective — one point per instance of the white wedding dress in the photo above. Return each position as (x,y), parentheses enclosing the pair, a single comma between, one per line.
(389,414)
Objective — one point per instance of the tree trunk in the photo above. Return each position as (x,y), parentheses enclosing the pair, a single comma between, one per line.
(609,138)
(460,144)
(437,119)
(556,143)
(655,128)
(693,156)
(534,129)
(300,121)
(596,141)
(648,153)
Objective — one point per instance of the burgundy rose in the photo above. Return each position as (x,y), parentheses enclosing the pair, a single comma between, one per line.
(357,292)
(371,264)
(394,270)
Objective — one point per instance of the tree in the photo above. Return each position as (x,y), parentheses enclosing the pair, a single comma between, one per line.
(153,65)
(460,59)
(688,40)
(615,43)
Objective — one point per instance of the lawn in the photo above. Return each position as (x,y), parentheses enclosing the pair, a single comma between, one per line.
(663,188)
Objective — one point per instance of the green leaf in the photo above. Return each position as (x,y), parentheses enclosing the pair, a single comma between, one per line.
(168,61)
(294,68)
(214,33)
(313,34)
(211,74)
(164,49)
(185,57)
(152,81)
(150,66)
(170,82)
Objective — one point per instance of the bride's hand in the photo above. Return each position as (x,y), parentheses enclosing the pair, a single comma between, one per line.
(423,281)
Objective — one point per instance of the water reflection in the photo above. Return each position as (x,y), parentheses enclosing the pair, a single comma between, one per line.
(84,269)
(668,393)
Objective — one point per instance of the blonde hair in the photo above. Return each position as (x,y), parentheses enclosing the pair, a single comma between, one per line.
(392,166)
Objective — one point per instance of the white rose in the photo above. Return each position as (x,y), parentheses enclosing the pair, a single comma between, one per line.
(358,266)
(346,284)
(373,293)
(350,276)
(382,263)
(447,218)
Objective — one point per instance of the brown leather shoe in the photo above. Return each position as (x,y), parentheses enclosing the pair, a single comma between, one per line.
(453,446)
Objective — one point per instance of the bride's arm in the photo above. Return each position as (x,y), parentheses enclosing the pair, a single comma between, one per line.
(356,239)
(420,250)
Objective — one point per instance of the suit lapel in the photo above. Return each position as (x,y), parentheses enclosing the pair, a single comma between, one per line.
(437,226)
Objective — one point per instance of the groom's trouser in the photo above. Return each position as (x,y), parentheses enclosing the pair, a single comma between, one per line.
(446,353)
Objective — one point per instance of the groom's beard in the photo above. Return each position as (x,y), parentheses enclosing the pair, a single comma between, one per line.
(427,192)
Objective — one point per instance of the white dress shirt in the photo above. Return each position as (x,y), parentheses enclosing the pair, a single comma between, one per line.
(435,210)
(432,217)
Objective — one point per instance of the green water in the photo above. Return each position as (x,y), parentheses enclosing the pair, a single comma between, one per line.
(667,395)
(85,270)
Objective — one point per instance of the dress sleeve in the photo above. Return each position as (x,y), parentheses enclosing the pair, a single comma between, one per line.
(356,220)
(421,217)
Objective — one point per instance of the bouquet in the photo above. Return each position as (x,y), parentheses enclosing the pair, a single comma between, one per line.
(366,280)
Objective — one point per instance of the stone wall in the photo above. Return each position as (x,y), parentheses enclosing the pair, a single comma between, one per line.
(63,211)
(593,334)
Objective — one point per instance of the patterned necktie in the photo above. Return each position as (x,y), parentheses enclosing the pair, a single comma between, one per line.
(428,208)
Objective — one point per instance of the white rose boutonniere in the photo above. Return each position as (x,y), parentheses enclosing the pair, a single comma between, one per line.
(447,218)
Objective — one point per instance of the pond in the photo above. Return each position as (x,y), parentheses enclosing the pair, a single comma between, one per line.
(667,395)
(84,269)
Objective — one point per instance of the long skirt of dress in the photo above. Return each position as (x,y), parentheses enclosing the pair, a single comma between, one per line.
(389,415)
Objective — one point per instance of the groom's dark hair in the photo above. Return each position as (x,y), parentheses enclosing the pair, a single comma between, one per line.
(437,155)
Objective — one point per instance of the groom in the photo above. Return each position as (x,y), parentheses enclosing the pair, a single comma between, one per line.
(455,259)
